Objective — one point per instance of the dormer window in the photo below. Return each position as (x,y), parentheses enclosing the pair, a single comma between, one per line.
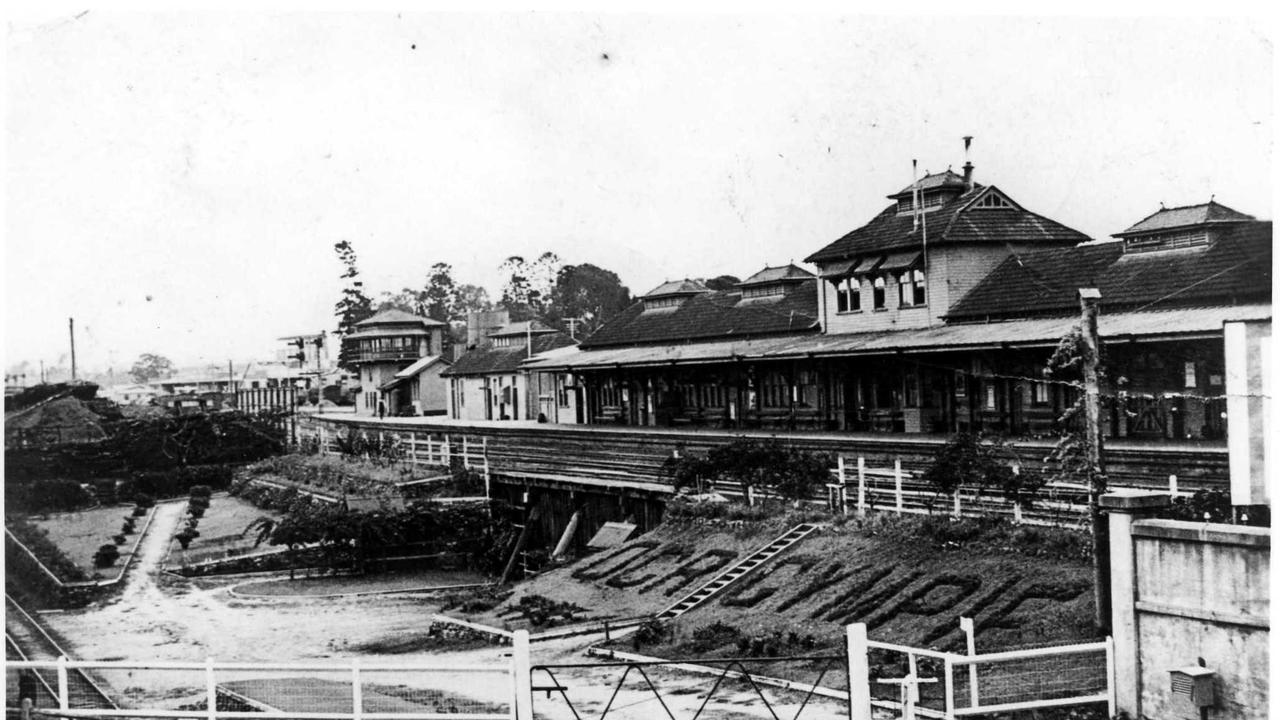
(932,201)
(1167,241)
(762,291)
(663,303)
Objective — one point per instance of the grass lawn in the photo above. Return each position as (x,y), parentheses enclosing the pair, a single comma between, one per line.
(80,534)
(220,530)
(345,584)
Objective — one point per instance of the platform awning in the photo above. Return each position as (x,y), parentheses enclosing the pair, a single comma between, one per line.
(840,270)
(1180,324)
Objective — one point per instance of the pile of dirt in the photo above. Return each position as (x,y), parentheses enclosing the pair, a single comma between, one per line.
(65,419)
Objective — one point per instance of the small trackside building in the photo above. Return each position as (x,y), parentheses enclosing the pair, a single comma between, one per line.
(488,382)
(385,345)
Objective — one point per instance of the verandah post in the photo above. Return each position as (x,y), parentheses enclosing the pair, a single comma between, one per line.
(64,702)
(859,672)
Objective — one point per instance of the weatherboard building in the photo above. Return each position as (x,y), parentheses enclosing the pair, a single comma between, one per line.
(939,316)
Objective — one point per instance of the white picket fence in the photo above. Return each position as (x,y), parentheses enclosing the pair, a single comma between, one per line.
(336,691)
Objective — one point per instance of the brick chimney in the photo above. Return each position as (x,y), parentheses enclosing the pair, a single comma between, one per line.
(968,166)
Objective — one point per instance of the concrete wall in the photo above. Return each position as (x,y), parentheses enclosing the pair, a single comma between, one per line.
(1247,348)
(1184,593)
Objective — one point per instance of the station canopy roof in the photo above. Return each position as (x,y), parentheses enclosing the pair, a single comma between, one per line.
(1182,323)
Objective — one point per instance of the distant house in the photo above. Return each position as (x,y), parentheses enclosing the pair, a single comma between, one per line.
(488,383)
(385,345)
(133,394)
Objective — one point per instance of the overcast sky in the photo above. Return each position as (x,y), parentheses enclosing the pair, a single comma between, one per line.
(177,182)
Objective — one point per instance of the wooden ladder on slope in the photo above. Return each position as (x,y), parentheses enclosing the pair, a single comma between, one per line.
(737,572)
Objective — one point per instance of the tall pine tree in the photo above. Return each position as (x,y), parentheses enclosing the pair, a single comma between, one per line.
(354,305)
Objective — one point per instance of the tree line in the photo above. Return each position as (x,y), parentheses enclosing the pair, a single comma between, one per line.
(545,288)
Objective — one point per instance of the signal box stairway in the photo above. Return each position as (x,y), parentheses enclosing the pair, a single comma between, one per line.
(736,572)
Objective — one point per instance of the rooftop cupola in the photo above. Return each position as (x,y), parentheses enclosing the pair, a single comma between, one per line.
(773,281)
(671,294)
(1180,227)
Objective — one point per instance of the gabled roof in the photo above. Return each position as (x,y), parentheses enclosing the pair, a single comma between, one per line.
(713,315)
(491,360)
(786,273)
(420,365)
(678,287)
(392,316)
(957,221)
(523,327)
(1236,268)
(1187,216)
(946,179)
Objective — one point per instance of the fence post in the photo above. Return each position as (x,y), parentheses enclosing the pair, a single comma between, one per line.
(210,689)
(955,511)
(971,647)
(448,455)
(862,487)
(859,672)
(1017,506)
(1173,486)
(357,692)
(1111,677)
(466,454)
(897,482)
(522,685)
(64,702)
(911,688)
(413,448)
(949,694)
(844,502)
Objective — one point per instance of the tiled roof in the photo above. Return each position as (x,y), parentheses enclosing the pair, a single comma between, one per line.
(392,316)
(954,222)
(678,287)
(1169,218)
(933,182)
(785,273)
(1235,268)
(1025,332)
(490,360)
(713,315)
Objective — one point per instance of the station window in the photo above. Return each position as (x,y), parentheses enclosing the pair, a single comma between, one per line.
(849,295)
(877,293)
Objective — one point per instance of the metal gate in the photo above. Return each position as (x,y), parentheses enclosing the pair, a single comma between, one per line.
(775,688)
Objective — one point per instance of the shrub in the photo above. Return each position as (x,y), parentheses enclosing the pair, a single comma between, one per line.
(973,460)
(196,511)
(144,501)
(748,462)
(185,537)
(106,556)
(128,525)
(118,539)
(200,502)
(139,511)
(203,491)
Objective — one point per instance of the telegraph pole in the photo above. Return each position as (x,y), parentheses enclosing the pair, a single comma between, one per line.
(71,328)
(1089,298)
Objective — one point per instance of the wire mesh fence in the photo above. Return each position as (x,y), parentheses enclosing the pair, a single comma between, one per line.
(229,690)
(1040,677)
(797,688)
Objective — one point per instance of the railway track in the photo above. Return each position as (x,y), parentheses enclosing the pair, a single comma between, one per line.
(26,640)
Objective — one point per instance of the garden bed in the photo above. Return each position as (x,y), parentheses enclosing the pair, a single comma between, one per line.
(420,580)
(222,531)
(79,535)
